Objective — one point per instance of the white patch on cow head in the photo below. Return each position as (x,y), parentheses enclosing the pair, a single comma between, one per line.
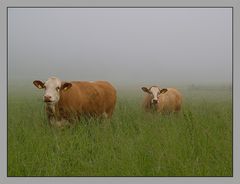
(155,92)
(52,88)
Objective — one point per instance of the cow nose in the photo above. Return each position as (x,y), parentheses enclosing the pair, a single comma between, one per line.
(47,98)
(154,101)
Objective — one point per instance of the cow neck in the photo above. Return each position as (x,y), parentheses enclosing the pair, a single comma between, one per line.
(54,110)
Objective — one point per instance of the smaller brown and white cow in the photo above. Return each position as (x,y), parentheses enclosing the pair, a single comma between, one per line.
(66,101)
(164,100)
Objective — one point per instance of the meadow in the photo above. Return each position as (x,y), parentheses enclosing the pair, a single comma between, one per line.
(195,142)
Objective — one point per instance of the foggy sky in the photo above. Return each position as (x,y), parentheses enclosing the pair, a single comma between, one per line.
(121,45)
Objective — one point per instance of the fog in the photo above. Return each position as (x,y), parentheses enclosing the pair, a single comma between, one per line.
(126,46)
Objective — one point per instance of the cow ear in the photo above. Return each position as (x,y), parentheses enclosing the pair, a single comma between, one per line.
(145,89)
(162,91)
(66,86)
(38,84)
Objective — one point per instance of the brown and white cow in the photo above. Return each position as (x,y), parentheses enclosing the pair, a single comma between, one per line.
(162,100)
(68,100)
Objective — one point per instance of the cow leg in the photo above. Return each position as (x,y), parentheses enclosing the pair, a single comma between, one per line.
(59,123)
(105,115)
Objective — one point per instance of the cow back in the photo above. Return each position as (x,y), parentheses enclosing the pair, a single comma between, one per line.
(91,98)
(170,101)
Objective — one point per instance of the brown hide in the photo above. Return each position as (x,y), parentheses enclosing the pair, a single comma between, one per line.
(84,98)
(169,101)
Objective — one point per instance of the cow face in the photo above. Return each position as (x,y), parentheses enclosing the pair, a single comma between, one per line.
(155,92)
(52,88)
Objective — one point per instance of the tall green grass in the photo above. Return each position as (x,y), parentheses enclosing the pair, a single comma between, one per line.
(195,142)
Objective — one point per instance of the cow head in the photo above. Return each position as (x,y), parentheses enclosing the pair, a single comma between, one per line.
(53,86)
(155,92)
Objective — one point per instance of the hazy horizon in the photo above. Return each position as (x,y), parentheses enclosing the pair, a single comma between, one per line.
(126,46)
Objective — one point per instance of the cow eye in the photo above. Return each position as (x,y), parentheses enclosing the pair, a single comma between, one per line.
(57,88)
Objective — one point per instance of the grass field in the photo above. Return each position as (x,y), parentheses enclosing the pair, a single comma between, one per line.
(196,142)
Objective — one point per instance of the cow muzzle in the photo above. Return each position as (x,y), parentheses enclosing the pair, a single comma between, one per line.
(154,101)
(47,98)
